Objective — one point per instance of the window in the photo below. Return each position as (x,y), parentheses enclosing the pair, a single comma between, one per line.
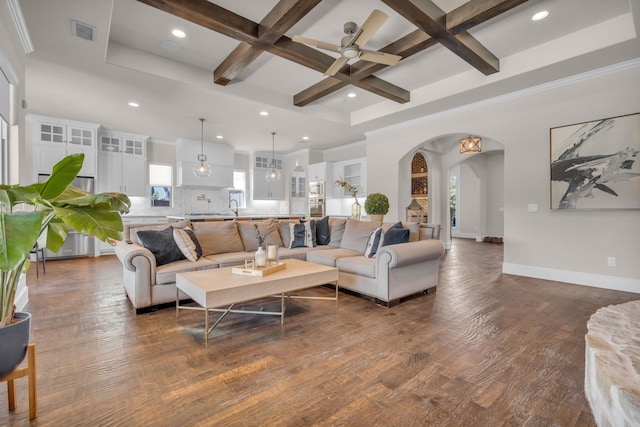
(239,186)
(161,181)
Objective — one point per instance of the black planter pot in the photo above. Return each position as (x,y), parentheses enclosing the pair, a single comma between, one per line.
(14,340)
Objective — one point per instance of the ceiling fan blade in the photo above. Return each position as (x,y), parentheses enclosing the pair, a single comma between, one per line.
(370,26)
(336,66)
(316,43)
(379,57)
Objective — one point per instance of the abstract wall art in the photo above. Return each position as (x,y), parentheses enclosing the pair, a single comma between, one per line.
(596,165)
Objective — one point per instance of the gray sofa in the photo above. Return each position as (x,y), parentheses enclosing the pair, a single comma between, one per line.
(395,272)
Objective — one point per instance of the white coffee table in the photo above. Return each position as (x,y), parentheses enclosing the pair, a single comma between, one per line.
(215,288)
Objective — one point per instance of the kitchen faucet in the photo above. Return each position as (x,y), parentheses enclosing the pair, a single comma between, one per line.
(235,211)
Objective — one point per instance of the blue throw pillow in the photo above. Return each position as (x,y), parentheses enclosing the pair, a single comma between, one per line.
(297,232)
(310,232)
(394,235)
(373,243)
(323,235)
(161,244)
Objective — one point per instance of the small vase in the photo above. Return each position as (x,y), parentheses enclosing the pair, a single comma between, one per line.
(261,258)
(356,210)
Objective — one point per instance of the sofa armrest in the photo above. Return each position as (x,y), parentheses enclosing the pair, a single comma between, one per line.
(411,253)
(127,253)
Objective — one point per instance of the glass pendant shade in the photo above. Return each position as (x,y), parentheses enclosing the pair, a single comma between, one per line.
(202,169)
(273,174)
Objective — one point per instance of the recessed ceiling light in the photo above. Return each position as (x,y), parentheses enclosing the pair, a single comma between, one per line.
(134,104)
(306,138)
(219,136)
(264,113)
(540,15)
(178,33)
(351,95)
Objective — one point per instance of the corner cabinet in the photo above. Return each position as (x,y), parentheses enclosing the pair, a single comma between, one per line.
(122,163)
(263,189)
(298,196)
(354,172)
(54,139)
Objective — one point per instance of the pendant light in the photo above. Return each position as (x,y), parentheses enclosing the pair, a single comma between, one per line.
(202,168)
(471,144)
(273,174)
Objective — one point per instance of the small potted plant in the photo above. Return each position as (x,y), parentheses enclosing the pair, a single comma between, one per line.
(376,205)
(28,211)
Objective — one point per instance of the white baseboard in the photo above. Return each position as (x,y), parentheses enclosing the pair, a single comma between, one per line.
(463,235)
(575,277)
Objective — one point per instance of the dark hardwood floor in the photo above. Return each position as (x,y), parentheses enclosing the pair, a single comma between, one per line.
(486,349)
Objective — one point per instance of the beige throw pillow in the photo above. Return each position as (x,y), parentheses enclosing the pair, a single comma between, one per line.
(356,234)
(218,237)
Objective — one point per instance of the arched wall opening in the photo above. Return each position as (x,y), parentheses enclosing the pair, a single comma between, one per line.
(479,196)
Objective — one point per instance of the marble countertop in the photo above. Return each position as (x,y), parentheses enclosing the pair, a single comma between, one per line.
(228,217)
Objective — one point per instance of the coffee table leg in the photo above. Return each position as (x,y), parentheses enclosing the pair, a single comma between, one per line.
(206,327)
(282,307)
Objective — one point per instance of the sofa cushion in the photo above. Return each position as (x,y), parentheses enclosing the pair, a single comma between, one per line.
(284,231)
(269,230)
(329,256)
(230,259)
(323,236)
(166,274)
(218,237)
(187,243)
(336,231)
(373,243)
(358,265)
(161,245)
(356,234)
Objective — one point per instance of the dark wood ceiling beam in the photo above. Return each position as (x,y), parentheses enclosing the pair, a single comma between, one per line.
(428,17)
(372,84)
(466,16)
(278,21)
(210,16)
(266,36)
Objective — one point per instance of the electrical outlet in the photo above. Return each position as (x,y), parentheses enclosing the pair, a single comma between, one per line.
(611,261)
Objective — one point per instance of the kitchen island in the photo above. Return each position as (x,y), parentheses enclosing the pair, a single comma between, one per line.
(223,217)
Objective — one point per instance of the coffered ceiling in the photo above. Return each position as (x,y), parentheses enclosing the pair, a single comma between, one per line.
(460,52)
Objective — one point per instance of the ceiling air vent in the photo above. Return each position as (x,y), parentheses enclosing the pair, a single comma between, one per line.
(84,31)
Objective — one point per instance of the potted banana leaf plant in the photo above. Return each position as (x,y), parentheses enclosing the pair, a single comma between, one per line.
(52,207)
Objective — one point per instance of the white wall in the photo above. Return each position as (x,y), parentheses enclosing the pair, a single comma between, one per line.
(561,245)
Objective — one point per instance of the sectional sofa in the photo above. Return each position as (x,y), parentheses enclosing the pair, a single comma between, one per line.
(394,272)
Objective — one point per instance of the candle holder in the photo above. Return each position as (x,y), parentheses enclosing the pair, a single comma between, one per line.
(273,256)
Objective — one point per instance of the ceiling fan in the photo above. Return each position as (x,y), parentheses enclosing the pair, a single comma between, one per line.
(351,44)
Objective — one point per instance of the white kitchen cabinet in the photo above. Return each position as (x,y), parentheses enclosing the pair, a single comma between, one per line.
(352,171)
(219,156)
(321,172)
(298,194)
(122,164)
(54,139)
(263,189)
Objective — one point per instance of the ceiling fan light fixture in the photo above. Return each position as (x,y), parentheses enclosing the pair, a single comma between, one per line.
(202,169)
(350,52)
